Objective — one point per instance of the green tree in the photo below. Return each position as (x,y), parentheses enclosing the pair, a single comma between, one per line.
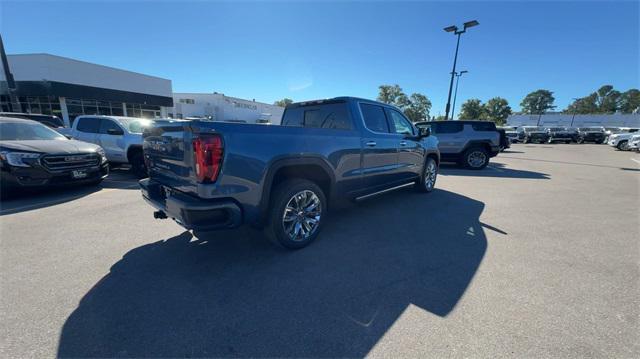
(418,108)
(497,110)
(538,102)
(393,95)
(284,102)
(607,99)
(584,105)
(630,101)
(438,118)
(471,109)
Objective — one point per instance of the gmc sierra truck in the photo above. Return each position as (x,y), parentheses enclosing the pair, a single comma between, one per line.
(210,175)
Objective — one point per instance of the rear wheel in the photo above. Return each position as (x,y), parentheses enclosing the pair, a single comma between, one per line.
(427,181)
(476,158)
(138,167)
(298,207)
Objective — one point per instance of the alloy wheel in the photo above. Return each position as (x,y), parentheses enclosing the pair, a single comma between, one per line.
(430,175)
(476,158)
(301,216)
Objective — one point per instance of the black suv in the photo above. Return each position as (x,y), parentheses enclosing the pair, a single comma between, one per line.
(528,134)
(561,134)
(591,134)
(33,155)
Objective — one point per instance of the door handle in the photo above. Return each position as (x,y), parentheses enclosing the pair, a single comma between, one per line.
(403,143)
(371,143)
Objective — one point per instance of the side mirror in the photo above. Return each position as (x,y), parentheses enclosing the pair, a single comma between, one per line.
(115,132)
(424,131)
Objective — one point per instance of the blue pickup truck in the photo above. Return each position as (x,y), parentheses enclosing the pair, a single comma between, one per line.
(210,175)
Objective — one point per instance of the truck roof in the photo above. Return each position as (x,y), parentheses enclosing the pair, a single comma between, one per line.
(334,100)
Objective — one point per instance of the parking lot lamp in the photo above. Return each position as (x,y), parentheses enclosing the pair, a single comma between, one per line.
(455,92)
(457,32)
(575,108)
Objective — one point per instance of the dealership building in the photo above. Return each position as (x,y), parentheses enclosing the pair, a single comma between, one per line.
(219,107)
(65,87)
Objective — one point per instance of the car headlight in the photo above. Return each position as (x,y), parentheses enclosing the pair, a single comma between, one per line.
(103,155)
(19,159)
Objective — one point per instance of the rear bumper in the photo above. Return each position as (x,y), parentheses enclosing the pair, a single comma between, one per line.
(192,212)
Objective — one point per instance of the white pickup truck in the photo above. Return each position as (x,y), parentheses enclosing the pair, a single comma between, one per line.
(120,137)
(621,140)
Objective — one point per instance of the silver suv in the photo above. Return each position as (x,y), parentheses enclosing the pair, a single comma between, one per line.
(469,143)
(121,138)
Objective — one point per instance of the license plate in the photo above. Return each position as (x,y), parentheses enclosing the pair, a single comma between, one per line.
(79,174)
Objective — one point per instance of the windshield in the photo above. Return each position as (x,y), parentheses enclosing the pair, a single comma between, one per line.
(25,131)
(530,129)
(591,129)
(557,129)
(135,125)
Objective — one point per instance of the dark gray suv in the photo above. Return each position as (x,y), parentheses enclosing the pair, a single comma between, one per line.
(469,143)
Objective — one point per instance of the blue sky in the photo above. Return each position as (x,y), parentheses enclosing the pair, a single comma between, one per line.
(309,50)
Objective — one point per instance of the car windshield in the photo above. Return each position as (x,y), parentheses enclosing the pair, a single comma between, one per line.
(591,129)
(25,131)
(557,129)
(135,125)
(530,129)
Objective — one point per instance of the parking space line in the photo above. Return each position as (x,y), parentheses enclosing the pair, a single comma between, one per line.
(634,160)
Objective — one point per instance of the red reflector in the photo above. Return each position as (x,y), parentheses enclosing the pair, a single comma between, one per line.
(207,157)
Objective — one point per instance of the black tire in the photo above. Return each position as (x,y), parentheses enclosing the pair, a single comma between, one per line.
(280,198)
(599,142)
(138,167)
(580,140)
(623,145)
(478,152)
(422,184)
(567,142)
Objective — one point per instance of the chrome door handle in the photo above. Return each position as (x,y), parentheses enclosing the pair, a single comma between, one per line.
(371,143)
(403,143)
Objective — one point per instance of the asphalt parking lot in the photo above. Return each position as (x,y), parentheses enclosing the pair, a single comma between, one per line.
(535,256)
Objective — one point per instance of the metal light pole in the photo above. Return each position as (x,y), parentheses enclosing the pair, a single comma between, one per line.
(457,32)
(574,112)
(455,93)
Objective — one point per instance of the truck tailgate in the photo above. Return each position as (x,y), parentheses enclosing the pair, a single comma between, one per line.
(169,156)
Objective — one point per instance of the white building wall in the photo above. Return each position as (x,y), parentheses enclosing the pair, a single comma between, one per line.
(39,67)
(564,120)
(224,108)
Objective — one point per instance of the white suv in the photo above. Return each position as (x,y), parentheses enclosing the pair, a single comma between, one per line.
(621,140)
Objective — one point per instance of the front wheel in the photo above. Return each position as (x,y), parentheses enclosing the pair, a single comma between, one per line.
(476,158)
(298,207)
(580,140)
(427,181)
(623,145)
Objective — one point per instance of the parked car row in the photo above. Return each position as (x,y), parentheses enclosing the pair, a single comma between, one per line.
(594,134)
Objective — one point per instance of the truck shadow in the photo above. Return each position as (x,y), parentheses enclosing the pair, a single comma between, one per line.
(494,169)
(233,294)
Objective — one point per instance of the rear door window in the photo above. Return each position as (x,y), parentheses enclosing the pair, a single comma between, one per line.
(88,124)
(329,115)
(483,126)
(374,118)
(446,127)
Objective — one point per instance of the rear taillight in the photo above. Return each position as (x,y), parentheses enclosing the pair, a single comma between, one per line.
(208,157)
